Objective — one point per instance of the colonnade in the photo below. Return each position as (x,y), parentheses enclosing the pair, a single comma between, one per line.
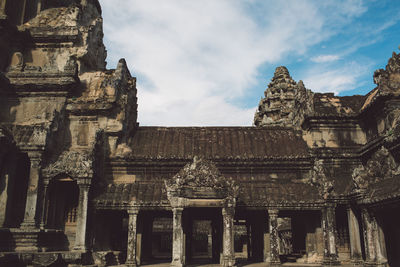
(374,244)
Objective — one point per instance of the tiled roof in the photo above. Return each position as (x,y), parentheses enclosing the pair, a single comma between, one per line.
(150,194)
(217,143)
(251,194)
(282,193)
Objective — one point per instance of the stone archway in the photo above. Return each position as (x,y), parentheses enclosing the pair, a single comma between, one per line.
(201,185)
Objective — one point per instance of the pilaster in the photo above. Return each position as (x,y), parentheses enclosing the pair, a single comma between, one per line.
(3,9)
(43,218)
(228,256)
(355,240)
(373,240)
(329,233)
(32,192)
(273,238)
(178,249)
(131,259)
(80,237)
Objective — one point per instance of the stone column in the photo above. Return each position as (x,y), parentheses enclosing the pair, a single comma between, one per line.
(39,6)
(32,192)
(131,246)
(43,218)
(228,256)
(4,198)
(273,238)
(329,232)
(80,235)
(374,255)
(178,250)
(23,12)
(355,241)
(3,9)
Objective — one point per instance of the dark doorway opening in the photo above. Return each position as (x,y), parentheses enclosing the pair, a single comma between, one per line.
(203,231)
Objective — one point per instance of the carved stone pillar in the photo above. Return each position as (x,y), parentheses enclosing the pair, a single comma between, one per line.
(373,240)
(355,242)
(3,9)
(32,192)
(228,256)
(39,6)
(4,198)
(131,246)
(273,238)
(80,236)
(329,232)
(178,249)
(43,218)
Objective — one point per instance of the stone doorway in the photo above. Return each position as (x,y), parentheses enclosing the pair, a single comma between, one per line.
(203,235)
(62,212)
(300,236)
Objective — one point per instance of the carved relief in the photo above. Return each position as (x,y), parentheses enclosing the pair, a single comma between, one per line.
(76,164)
(379,167)
(203,177)
(318,178)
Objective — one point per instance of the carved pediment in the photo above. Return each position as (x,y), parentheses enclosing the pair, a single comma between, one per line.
(379,167)
(201,179)
(318,178)
(73,163)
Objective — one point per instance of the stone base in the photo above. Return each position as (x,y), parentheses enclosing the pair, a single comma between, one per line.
(375,264)
(80,249)
(275,263)
(177,264)
(28,224)
(357,262)
(26,240)
(228,262)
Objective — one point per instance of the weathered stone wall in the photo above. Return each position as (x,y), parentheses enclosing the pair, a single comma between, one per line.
(65,118)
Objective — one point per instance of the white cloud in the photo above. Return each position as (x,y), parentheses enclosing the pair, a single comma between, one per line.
(195,58)
(337,80)
(325,58)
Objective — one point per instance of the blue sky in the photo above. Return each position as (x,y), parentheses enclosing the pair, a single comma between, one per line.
(209,62)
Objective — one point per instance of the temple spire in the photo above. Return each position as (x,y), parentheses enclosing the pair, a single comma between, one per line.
(283,100)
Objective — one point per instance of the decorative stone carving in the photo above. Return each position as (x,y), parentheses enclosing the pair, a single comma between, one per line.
(373,240)
(73,163)
(318,178)
(44,259)
(328,222)
(228,257)
(286,102)
(388,79)
(379,167)
(178,248)
(132,237)
(274,237)
(19,64)
(201,179)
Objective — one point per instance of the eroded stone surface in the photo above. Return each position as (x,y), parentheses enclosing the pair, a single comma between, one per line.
(79,177)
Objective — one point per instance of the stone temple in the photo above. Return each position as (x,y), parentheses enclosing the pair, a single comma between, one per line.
(315,181)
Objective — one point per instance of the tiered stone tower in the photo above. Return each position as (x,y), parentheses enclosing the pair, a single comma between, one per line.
(282,98)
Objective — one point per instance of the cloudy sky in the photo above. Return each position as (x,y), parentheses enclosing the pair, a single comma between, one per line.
(208,62)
